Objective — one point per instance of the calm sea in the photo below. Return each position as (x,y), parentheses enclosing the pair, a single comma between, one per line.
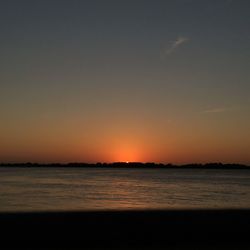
(47,189)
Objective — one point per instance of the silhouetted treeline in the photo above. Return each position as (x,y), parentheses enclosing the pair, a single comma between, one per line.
(130,165)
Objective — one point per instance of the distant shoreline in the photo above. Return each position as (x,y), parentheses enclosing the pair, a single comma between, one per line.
(130,165)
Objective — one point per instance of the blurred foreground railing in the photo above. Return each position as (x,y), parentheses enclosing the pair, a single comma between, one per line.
(175,229)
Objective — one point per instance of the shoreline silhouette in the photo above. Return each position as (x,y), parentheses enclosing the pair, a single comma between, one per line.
(130,165)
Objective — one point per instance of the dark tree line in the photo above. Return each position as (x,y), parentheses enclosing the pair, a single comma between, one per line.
(130,165)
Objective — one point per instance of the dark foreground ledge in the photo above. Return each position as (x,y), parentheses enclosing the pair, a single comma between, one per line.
(178,229)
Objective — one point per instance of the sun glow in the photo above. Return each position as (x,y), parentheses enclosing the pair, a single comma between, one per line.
(126,154)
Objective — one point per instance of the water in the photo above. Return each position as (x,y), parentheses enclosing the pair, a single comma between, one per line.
(50,189)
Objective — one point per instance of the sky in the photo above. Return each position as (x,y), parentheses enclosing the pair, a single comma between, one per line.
(104,81)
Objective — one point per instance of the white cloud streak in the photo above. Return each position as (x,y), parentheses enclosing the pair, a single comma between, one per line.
(176,44)
(215,110)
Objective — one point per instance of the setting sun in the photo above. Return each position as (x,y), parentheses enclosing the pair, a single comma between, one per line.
(126,153)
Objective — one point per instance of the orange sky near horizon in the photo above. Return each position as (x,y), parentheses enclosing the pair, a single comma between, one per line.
(168,144)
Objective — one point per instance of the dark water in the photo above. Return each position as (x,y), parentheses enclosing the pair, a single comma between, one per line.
(42,189)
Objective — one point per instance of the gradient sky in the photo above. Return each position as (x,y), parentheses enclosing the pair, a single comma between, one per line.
(149,80)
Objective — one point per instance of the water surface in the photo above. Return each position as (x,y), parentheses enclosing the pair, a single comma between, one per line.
(49,189)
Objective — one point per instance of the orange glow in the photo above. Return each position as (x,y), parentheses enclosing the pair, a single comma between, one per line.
(126,153)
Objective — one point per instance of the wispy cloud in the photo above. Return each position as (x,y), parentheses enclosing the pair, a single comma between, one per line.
(176,44)
(215,110)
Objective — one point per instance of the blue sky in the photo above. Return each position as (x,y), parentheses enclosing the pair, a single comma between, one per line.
(144,71)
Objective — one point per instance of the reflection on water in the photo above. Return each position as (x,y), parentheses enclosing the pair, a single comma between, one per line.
(87,189)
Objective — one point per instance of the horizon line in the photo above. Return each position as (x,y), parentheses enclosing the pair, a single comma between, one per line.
(122,162)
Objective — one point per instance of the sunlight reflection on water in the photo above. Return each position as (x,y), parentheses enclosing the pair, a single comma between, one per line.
(90,189)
